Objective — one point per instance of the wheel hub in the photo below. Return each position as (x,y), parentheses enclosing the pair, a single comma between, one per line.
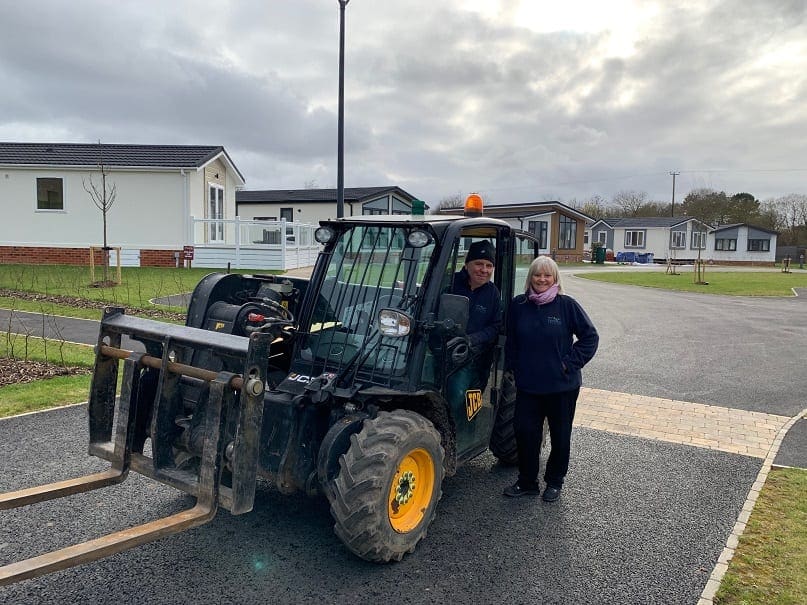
(406,487)
(411,490)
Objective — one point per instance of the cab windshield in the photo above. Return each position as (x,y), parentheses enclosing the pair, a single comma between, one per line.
(370,268)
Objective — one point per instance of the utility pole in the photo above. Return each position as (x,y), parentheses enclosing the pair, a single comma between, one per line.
(672,206)
(340,151)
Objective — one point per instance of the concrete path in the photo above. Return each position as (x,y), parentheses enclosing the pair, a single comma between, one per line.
(696,424)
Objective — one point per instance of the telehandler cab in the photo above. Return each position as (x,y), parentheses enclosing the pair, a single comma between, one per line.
(332,385)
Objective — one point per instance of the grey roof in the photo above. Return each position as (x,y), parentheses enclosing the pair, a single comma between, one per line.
(520,210)
(352,194)
(644,222)
(735,225)
(129,156)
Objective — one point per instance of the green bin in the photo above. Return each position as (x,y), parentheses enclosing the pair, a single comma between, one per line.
(599,255)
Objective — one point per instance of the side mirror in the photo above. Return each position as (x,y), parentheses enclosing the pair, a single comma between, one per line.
(452,316)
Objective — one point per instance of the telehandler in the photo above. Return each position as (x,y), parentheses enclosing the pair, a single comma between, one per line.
(333,385)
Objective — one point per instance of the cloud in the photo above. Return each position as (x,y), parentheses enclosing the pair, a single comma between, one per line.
(518,100)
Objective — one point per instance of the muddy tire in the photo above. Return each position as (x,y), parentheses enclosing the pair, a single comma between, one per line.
(503,437)
(385,495)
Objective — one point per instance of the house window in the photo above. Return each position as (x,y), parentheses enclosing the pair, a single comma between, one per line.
(49,194)
(726,244)
(379,206)
(602,237)
(678,239)
(399,207)
(585,238)
(539,230)
(567,238)
(759,245)
(216,212)
(634,239)
(699,240)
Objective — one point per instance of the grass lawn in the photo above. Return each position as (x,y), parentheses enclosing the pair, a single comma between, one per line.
(770,565)
(19,346)
(51,392)
(735,283)
(43,394)
(139,284)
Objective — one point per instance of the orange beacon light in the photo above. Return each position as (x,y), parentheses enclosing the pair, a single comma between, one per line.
(473,205)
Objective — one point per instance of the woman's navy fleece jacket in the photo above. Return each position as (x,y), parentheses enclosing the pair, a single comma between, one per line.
(540,348)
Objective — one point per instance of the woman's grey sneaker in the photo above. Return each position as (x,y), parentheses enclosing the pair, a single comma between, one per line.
(551,494)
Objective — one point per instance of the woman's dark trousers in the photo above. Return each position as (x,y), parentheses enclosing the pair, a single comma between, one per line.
(531,409)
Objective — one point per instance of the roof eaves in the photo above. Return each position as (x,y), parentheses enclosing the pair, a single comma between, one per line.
(217,153)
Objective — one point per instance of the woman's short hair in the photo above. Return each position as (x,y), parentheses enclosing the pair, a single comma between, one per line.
(543,264)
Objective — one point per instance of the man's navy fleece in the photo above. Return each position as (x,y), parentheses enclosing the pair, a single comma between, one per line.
(540,347)
(485,314)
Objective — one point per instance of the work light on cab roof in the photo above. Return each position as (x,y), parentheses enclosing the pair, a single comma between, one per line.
(473,205)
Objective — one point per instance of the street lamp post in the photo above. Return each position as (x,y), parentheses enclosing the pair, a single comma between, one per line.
(340,145)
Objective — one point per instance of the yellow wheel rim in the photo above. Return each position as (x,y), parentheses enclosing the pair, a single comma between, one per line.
(411,490)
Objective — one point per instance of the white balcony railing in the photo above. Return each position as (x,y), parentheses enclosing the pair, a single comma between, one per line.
(252,244)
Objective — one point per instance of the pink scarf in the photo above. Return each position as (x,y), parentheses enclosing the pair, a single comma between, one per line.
(543,298)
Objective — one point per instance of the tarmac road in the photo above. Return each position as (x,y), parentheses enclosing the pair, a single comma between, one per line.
(639,521)
(738,352)
(69,329)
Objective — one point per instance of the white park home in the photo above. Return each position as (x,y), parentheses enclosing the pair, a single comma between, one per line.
(679,238)
(685,239)
(741,243)
(171,202)
(50,218)
(315,205)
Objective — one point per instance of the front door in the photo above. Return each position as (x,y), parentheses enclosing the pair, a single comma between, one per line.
(215,213)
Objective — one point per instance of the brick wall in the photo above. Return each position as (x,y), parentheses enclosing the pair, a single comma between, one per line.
(20,255)
(158,258)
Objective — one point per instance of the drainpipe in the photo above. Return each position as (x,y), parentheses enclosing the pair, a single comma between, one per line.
(186,210)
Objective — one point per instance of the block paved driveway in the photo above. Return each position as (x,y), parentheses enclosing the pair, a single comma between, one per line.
(680,406)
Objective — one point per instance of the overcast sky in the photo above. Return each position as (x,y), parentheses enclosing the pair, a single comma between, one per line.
(518,100)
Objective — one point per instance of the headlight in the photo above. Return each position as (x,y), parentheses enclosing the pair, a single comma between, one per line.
(324,234)
(418,238)
(393,323)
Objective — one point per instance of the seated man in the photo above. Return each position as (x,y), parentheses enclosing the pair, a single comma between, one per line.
(484,319)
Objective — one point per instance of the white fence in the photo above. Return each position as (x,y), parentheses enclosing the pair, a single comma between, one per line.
(251,244)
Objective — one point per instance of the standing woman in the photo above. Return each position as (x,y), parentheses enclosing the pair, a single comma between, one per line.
(549,338)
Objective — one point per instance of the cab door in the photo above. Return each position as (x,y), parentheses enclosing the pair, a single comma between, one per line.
(472,402)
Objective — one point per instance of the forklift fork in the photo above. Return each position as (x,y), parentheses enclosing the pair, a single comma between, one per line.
(224,408)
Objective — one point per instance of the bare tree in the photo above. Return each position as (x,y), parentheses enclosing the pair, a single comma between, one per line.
(789,216)
(103,198)
(630,202)
(455,200)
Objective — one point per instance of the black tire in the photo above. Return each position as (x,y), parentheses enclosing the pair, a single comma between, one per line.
(503,437)
(385,495)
